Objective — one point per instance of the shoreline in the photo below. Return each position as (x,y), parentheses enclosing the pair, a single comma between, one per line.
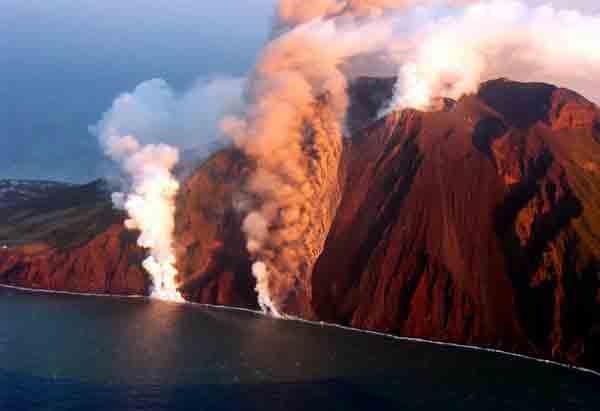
(315,323)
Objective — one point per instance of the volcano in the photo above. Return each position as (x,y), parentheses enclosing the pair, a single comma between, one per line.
(478,223)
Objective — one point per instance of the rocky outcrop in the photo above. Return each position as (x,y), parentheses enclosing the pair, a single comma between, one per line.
(478,223)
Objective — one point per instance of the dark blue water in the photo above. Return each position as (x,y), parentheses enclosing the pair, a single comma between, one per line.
(62,352)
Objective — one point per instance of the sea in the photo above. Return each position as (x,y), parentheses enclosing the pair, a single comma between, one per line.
(72,352)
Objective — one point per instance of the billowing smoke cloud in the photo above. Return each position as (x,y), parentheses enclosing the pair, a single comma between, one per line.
(130,133)
(451,56)
(292,129)
(291,13)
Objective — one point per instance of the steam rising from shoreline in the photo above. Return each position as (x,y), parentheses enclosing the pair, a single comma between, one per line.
(150,204)
(130,133)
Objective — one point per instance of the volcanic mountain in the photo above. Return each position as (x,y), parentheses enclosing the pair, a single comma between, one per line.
(478,223)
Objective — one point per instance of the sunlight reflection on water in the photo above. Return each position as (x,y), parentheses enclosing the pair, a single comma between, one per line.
(93,351)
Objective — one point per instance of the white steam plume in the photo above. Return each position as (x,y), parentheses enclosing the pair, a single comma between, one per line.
(130,133)
(451,56)
(150,204)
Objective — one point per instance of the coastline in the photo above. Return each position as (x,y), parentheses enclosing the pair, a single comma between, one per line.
(315,323)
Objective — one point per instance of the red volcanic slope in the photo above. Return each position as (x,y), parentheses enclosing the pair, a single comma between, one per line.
(211,247)
(479,225)
(71,240)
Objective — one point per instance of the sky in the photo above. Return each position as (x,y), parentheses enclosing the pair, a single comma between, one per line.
(62,62)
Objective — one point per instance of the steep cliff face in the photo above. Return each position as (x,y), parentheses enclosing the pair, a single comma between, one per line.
(212,255)
(477,224)
(413,250)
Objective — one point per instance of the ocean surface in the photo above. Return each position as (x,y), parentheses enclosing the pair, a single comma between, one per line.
(68,352)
